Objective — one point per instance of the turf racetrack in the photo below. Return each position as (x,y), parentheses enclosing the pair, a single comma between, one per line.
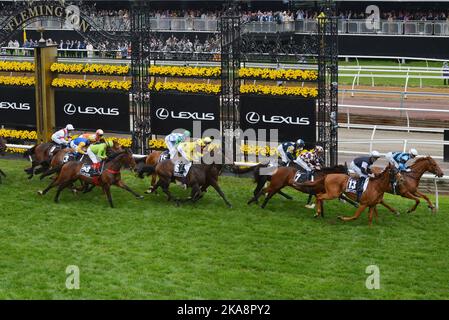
(150,249)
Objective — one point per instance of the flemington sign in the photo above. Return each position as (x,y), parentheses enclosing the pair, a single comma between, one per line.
(34,11)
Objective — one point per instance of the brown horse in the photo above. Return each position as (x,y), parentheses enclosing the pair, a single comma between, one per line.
(408,183)
(335,185)
(70,172)
(40,158)
(57,161)
(2,152)
(199,178)
(283,177)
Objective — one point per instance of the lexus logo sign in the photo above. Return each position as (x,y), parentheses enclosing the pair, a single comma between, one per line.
(162,113)
(252,117)
(70,109)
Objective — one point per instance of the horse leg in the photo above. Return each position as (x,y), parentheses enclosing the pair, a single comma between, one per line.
(153,183)
(122,185)
(309,204)
(409,195)
(30,170)
(217,188)
(430,204)
(356,215)
(61,187)
(107,191)
(51,185)
(2,173)
(270,194)
(286,196)
(393,210)
(258,191)
(370,216)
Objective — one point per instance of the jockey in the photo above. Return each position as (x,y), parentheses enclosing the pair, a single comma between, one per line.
(189,150)
(94,138)
(362,166)
(310,160)
(399,159)
(62,137)
(287,151)
(97,153)
(79,144)
(173,140)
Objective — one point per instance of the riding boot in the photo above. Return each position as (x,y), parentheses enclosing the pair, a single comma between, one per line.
(360,184)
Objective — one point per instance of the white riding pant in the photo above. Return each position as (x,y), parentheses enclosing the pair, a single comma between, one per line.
(171,147)
(59,141)
(282,154)
(357,170)
(303,164)
(390,159)
(93,156)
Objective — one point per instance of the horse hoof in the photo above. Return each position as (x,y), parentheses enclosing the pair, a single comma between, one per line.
(310,206)
(140,197)
(40,192)
(398,213)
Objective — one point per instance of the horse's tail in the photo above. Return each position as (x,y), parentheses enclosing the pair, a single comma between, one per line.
(30,152)
(146,169)
(50,172)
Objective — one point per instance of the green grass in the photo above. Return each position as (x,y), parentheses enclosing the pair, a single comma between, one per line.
(396,82)
(150,249)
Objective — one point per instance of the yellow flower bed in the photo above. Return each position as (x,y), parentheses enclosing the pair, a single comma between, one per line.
(273,74)
(18,134)
(186,87)
(175,71)
(17,81)
(279,91)
(16,66)
(90,68)
(91,84)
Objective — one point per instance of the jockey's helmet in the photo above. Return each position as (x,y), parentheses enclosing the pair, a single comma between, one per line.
(319,149)
(413,152)
(99,132)
(69,127)
(374,154)
(187,134)
(300,143)
(207,140)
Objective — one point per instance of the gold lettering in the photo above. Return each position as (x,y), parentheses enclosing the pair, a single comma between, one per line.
(49,10)
(84,26)
(59,11)
(33,12)
(24,16)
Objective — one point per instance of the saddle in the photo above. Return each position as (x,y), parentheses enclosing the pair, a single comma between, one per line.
(87,170)
(53,149)
(164,156)
(301,177)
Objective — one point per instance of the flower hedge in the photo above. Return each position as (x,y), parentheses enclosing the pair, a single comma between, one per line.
(279,91)
(104,69)
(16,66)
(91,84)
(175,71)
(185,87)
(273,74)
(17,81)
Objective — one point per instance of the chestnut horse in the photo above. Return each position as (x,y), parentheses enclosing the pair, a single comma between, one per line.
(70,172)
(2,152)
(39,156)
(408,182)
(283,177)
(335,185)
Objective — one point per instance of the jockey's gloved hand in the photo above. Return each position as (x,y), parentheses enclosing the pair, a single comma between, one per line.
(371,175)
(408,170)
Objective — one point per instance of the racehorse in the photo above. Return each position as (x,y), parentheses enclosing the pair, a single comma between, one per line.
(199,178)
(40,158)
(71,171)
(408,183)
(283,177)
(2,152)
(57,161)
(335,185)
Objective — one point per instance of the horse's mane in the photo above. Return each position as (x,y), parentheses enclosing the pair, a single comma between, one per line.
(419,160)
(115,155)
(380,175)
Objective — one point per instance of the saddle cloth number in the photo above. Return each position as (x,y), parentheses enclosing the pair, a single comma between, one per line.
(85,169)
(164,156)
(179,168)
(68,157)
(352,185)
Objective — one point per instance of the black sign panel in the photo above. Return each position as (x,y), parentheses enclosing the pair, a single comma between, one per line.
(17,106)
(90,110)
(294,118)
(172,111)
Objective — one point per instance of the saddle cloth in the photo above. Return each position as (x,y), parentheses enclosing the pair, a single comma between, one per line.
(87,170)
(69,156)
(181,169)
(164,156)
(301,177)
(352,185)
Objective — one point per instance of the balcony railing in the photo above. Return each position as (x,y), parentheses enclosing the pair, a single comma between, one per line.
(211,24)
